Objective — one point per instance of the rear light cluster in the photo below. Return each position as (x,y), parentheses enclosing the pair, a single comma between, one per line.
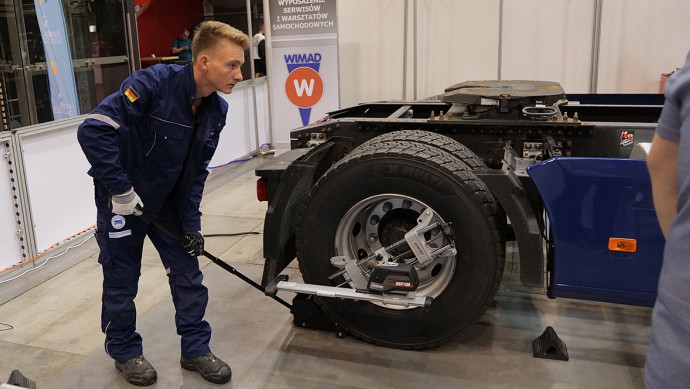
(262,189)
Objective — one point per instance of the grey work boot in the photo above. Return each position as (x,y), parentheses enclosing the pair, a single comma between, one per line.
(210,367)
(138,371)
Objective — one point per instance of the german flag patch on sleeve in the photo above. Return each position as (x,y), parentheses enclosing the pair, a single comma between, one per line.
(131,94)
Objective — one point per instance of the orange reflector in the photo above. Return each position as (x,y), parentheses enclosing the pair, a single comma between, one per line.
(622,244)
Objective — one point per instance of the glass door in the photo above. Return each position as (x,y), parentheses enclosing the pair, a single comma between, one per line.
(99,48)
(34,65)
(98,42)
(14,107)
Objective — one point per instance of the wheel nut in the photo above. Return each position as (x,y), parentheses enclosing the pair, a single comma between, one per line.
(373,238)
(374,220)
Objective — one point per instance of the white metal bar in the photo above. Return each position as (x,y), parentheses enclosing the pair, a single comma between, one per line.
(346,293)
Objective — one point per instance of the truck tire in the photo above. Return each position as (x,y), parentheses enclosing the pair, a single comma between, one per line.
(396,180)
(445,143)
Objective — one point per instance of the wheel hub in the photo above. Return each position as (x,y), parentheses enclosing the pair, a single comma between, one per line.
(394,225)
(377,222)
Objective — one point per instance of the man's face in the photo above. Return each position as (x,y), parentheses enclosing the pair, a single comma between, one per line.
(224,66)
(184,35)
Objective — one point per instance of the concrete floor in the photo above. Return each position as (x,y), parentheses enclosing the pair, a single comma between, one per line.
(56,338)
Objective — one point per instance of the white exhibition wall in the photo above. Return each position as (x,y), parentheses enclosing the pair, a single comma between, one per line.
(370,50)
(548,40)
(640,39)
(60,192)
(456,41)
(10,246)
(451,41)
(235,140)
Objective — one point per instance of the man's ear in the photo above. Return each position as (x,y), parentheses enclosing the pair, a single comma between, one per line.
(203,61)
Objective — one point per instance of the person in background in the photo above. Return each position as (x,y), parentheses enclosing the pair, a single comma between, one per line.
(261,69)
(182,46)
(259,57)
(149,146)
(668,354)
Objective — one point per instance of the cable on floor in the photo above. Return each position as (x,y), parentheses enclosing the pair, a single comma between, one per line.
(235,234)
(20,264)
(46,261)
(263,150)
(6,326)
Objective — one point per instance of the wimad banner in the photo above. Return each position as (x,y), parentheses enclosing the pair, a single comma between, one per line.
(304,64)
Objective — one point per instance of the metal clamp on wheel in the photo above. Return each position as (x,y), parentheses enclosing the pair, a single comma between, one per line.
(381,277)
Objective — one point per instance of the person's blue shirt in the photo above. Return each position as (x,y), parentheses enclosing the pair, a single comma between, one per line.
(185,55)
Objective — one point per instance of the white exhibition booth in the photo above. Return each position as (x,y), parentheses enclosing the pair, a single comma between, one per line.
(386,50)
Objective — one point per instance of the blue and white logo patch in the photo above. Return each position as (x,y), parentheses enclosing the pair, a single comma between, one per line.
(118,222)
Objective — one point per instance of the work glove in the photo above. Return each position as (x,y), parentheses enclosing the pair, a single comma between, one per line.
(194,243)
(126,203)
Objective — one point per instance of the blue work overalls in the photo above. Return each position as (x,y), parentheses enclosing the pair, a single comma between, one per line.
(145,136)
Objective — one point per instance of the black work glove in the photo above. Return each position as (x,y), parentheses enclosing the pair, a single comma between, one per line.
(194,243)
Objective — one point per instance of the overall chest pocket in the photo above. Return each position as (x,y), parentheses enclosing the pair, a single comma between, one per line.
(211,142)
(170,142)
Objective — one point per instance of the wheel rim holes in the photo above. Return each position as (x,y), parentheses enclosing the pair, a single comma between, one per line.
(436,270)
(356,229)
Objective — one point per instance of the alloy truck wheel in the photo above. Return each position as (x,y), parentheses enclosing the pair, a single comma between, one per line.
(381,220)
(370,199)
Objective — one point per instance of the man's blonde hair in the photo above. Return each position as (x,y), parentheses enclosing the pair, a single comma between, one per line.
(211,33)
